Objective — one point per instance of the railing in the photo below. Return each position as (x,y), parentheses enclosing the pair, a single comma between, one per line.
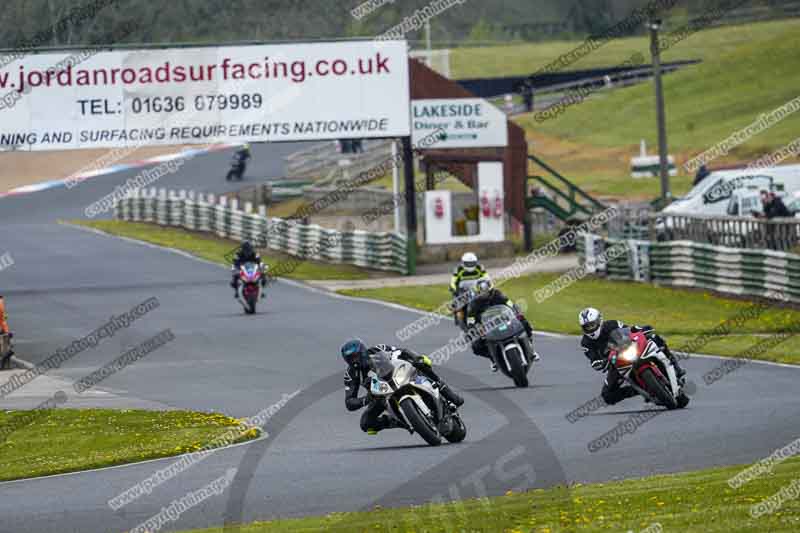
(630,222)
(320,159)
(579,204)
(547,95)
(781,234)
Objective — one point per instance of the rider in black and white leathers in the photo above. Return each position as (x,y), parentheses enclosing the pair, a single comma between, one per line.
(373,419)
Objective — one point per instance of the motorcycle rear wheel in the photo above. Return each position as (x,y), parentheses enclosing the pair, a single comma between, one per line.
(420,422)
(657,389)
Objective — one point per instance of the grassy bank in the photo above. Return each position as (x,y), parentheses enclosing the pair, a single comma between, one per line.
(526,58)
(213,248)
(747,70)
(54,441)
(680,315)
(697,502)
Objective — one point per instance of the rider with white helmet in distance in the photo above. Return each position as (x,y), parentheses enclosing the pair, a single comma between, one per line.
(356,354)
(596,332)
(469,270)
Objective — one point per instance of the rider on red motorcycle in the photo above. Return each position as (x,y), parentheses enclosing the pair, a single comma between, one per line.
(246,254)
(596,332)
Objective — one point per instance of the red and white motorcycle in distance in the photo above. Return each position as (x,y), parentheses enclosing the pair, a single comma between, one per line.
(646,368)
(250,276)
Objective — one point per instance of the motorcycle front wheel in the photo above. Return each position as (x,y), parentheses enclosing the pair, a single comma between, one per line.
(420,422)
(657,389)
(250,305)
(518,371)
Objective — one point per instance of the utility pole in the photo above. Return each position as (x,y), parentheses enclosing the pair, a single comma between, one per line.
(411,206)
(666,195)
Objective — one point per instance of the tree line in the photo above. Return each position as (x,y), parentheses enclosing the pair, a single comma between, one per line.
(54,23)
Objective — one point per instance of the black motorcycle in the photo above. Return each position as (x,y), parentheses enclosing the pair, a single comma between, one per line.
(509,345)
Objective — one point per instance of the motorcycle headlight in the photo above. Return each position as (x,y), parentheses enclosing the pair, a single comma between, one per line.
(402,375)
(629,354)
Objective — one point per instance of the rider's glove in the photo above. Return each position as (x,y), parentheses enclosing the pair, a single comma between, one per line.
(599,364)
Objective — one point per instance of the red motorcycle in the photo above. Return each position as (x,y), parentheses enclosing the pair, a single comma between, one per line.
(250,276)
(645,367)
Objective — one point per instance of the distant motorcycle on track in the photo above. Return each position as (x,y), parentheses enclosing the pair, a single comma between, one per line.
(646,368)
(250,279)
(413,400)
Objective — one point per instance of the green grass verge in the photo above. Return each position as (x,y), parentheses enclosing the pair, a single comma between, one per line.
(215,249)
(679,315)
(55,441)
(526,58)
(696,502)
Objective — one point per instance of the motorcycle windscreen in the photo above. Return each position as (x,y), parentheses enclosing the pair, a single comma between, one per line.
(250,271)
(501,323)
(619,339)
(381,363)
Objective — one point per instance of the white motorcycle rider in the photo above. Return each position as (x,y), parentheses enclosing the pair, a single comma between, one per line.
(403,391)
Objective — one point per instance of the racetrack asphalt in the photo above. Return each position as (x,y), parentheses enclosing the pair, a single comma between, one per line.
(66,282)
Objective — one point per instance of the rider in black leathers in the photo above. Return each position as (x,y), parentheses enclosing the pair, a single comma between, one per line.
(246,254)
(356,355)
(486,296)
(595,348)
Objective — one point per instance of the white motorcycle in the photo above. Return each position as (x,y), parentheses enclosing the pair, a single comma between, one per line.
(413,400)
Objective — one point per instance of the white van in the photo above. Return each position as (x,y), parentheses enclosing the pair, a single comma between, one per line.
(736,191)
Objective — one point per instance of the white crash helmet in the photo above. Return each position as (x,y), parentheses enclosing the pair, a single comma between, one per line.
(469,262)
(591,321)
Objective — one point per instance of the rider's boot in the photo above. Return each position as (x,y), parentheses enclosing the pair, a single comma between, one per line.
(679,371)
(383,422)
(450,395)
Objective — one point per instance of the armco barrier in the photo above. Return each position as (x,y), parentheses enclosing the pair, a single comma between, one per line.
(690,264)
(382,251)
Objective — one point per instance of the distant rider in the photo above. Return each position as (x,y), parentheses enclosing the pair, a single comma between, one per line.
(246,254)
(469,270)
(243,154)
(485,296)
(356,354)
(596,332)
